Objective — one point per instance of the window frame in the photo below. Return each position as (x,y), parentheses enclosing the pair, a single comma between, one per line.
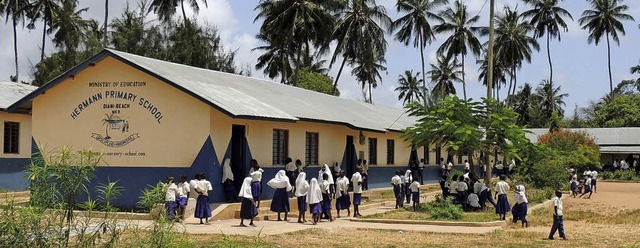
(11,138)
(312,155)
(280,146)
(373,151)
(391,149)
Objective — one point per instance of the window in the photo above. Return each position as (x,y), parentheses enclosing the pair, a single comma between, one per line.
(426,154)
(390,151)
(311,148)
(438,155)
(280,146)
(459,159)
(373,151)
(11,137)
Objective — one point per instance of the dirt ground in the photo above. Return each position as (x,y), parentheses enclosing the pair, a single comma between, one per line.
(611,218)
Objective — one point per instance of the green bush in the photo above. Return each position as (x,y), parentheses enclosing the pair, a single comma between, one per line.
(624,175)
(535,196)
(443,209)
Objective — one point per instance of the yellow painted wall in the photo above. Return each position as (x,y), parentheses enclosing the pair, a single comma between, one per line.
(332,140)
(170,139)
(25,134)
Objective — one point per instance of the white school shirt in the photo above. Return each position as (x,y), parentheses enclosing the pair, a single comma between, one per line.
(395,180)
(342,186)
(443,166)
(474,201)
(192,188)
(502,188)
(447,184)
(512,164)
(594,175)
(587,181)
(324,187)
(415,186)
(557,202)
(355,179)
(449,165)
(574,178)
(520,198)
(499,166)
(256,176)
(290,167)
(421,165)
(466,165)
(454,187)
(462,187)
(586,173)
(479,187)
(365,168)
(204,186)
(183,189)
(172,191)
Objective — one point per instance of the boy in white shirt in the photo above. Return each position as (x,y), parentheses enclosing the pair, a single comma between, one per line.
(594,180)
(587,187)
(474,202)
(356,179)
(396,182)
(467,167)
(415,193)
(170,198)
(453,188)
(558,218)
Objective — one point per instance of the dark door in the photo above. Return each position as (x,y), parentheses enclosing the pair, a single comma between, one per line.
(238,155)
(351,158)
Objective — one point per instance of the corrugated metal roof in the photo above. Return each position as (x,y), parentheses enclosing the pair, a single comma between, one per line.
(250,97)
(12,92)
(603,136)
(620,149)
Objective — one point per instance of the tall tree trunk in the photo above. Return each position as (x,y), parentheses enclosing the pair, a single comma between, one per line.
(335,84)
(44,35)
(296,75)
(515,80)
(106,17)
(184,14)
(370,95)
(464,84)
(550,64)
(609,63)
(424,80)
(15,49)
(489,83)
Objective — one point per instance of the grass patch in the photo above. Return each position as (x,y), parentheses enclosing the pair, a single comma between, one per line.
(440,210)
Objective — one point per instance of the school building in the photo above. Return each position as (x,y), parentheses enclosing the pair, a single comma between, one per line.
(154,119)
(621,143)
(15,137)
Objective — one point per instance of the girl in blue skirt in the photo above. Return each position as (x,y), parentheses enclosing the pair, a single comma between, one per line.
(227,181)
(280,201)
(396,182)
(248,208)
(343,201)
(357,181)
(326,197)
(501,189)
(314,199)
(301,190)
(203,210)
(415,193)
(256,181)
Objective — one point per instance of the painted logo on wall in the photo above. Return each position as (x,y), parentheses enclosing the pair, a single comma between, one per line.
(116,125)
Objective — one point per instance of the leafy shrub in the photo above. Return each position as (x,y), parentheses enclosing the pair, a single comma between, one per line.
(625,175)
(443,209)
(573,149)
(535,196)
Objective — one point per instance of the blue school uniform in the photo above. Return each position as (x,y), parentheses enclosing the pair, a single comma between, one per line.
(502,207)
(203,210)
(415,197)
(280,201)
(256,190)
(248,209)
(315,208)
(343,202)
(302,203)
(357,198)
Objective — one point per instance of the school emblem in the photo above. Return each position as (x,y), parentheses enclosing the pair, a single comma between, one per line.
(116,132)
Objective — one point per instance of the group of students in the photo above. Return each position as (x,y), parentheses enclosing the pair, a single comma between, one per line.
(177,197)
(406,187)
(587,186)
(315,195)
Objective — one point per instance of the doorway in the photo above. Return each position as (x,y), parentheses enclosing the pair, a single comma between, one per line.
(351,158)
(238,155)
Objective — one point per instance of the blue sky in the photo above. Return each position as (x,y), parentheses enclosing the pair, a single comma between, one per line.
(580,68)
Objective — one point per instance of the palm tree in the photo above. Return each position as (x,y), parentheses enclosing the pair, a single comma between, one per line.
(513,44)
(443,75)
(549,99)
(410,87)
(462,37)
(604,20)
(70,28)
(194,5)
(106,23)
(370,63)
(523,104)
(275,59)
(546,17)
(14,9)
(296,23)
(44,9)
(499,74)
(359,22)
(414,25)
(165,9)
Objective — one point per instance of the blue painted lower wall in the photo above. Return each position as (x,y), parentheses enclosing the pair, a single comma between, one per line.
(12,173)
